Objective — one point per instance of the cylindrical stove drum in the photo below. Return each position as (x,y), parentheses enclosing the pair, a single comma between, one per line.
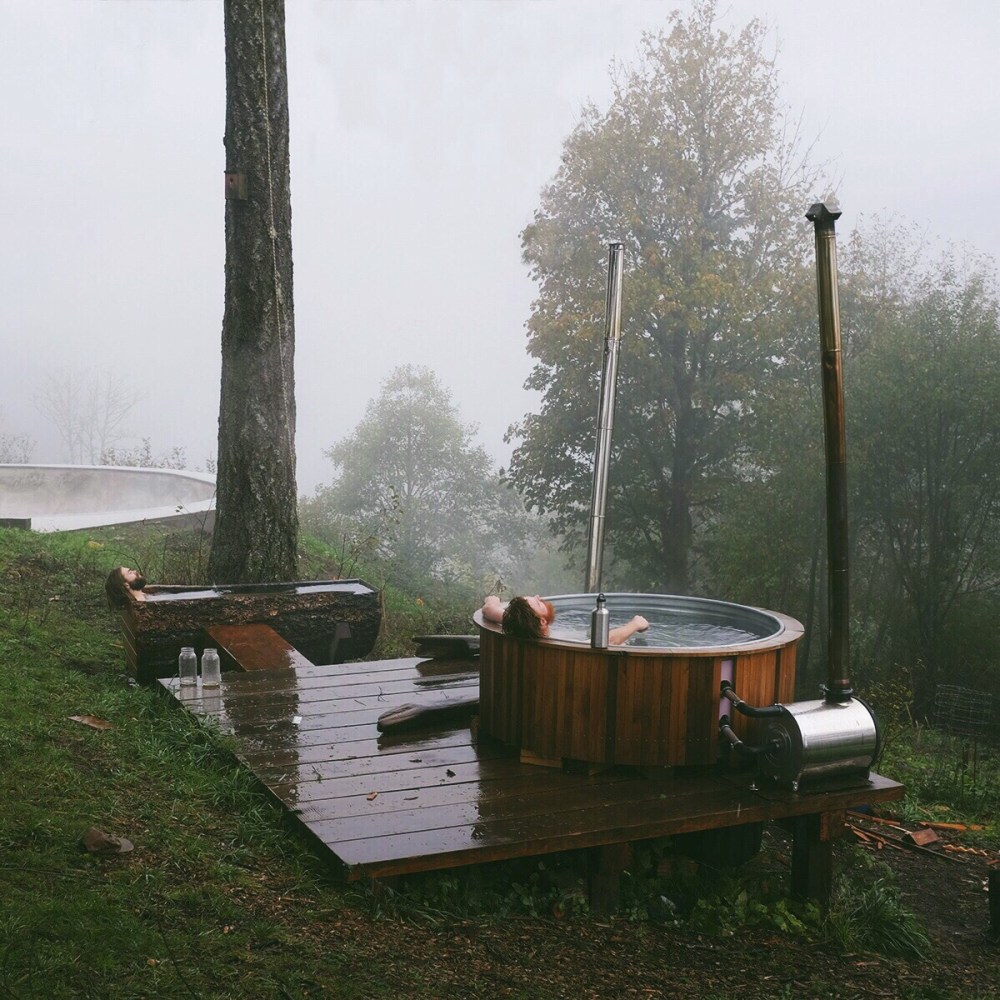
(811,740)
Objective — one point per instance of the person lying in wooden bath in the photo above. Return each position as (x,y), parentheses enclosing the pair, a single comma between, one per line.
(530,618)
(124,585)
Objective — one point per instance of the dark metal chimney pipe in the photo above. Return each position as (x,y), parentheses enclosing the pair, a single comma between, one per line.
(824,216)
(605,418)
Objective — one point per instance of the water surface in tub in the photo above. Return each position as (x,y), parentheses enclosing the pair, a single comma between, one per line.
(674,622)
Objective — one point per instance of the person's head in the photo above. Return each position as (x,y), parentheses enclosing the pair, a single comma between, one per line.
(528,617)
(120,581)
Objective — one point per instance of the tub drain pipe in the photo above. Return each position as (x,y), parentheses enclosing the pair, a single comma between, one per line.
(605,418)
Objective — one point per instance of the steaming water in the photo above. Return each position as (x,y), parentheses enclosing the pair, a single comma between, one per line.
(675,631)
(674,622)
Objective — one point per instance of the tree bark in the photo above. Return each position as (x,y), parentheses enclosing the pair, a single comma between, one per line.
(256,528)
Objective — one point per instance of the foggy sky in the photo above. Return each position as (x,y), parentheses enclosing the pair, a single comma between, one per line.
(421,136)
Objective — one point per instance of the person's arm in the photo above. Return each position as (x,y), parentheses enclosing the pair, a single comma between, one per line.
(625,632)
(493,609)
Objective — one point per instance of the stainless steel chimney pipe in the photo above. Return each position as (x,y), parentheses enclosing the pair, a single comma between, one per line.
(824,216)
(605,418)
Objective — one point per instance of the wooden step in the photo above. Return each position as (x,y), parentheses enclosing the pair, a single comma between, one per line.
(253,647)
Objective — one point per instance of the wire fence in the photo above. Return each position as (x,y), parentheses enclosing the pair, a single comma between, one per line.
(964,711)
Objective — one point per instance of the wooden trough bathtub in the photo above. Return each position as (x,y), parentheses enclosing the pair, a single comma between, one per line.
(328,621)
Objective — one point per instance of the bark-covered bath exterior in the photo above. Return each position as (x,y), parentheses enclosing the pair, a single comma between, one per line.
(310,616)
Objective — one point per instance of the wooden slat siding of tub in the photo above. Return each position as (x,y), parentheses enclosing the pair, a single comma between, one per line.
(487,684)
(537,714)
(643,704)
(513,677)
(680,682)
(584,701)
(602,678)
(622,706)
(629,733)
(787,656)
(702,744)
(655,743)
(588,742)
(499,669)
(538,698)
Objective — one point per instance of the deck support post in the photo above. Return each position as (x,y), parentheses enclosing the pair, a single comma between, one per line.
(606,867)
(812,855)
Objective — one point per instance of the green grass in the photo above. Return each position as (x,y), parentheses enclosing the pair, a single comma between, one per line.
(221,898)
(155,919)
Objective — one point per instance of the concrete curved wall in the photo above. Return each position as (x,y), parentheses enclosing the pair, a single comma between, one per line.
(71,497)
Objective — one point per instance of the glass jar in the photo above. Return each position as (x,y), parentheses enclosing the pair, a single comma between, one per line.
(211,669)
(187,667)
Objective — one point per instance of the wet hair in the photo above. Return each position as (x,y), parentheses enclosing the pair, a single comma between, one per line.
(521,621)
(117,588)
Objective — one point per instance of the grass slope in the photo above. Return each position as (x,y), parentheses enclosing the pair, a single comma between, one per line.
(220,900)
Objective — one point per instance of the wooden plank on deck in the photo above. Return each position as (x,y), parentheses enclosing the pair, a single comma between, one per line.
(254,647)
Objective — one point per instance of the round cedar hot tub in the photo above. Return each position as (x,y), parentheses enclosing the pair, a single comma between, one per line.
(654,701)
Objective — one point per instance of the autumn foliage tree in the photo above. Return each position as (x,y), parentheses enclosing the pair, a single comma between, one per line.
(693,169)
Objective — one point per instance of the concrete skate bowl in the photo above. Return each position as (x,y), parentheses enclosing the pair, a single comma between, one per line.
(74,497)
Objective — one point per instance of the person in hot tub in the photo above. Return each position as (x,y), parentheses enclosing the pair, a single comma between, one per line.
(124,585)
(530,618)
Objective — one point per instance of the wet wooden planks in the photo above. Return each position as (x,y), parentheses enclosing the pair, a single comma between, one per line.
(253,647)
(391,804)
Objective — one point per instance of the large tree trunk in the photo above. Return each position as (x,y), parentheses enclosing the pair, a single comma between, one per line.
(256,528)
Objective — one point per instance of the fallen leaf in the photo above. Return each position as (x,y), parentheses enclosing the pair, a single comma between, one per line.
(98,842)
(92,721)
(373,795)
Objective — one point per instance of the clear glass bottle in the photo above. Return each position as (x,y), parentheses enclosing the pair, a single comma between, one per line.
(187,667)
(211,668)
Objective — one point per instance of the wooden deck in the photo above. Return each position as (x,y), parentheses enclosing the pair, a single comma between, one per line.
(386,805)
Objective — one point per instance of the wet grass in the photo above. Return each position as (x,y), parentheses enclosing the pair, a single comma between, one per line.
(220,897)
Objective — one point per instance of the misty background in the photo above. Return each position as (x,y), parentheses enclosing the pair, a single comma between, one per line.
(421,136)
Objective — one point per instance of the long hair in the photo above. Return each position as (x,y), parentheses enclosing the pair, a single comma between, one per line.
(117,588)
